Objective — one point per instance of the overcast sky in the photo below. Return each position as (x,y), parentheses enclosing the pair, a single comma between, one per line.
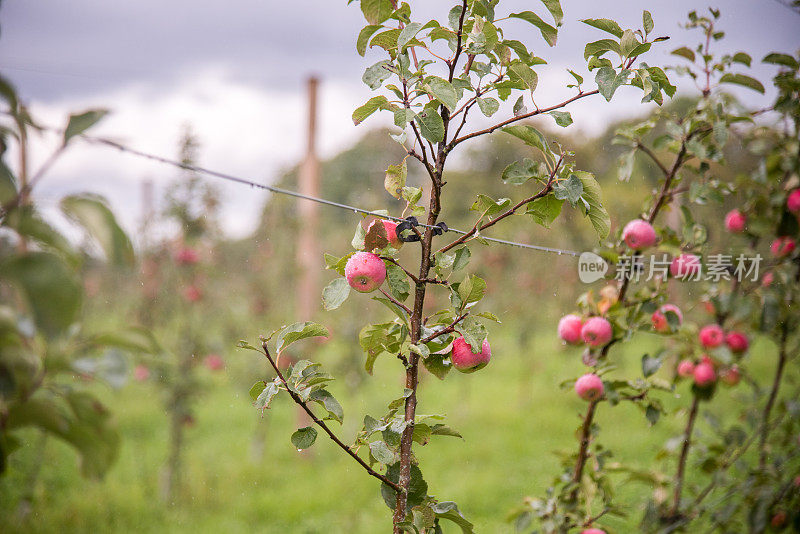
(235,71)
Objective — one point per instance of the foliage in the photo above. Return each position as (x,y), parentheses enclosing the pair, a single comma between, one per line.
(429,73)
(750,490)
(46,350)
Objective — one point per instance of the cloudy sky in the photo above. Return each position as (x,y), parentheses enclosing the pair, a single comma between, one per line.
(235,71)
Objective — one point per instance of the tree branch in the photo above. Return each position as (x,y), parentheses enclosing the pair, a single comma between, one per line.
(446,330)
(510,211)
(296,398)
(653,157)
(396,302)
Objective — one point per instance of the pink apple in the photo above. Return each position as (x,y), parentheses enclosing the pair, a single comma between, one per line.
(731,375)
(639,234)
(593,531)
(711,336)
(767,280)
(737,341)
(684,266)
(187,256)
(735,221)
(596,331)
(793,201)
(778,520)
(214,362)
(686,368)
(141,373)
(192,293)
(391,231)
(467,361)
(782,246)
(589,387)
(365,271)
(569,329)
(659,318)
(704,374)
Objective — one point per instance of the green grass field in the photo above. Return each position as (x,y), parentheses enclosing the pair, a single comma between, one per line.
(513,417)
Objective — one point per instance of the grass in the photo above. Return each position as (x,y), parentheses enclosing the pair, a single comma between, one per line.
(513,417)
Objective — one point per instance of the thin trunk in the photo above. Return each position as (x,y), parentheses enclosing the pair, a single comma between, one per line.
(687,440)
(773,395)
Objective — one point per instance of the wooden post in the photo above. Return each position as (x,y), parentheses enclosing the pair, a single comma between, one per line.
(308,254)
(309,258)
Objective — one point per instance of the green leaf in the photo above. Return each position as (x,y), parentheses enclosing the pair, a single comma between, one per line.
(488,105)
(395,179)
(304,438)
(431,125)
(544,210)
(78,418)
(652,414)
(743,80)
(489,206)
(358,238)
(472,289)
(563,118)
(549,33)
(52,290)
(473,331)
(461,258)
(296,332)
(626,165)
(743,58)
(376,74)
(530,135)
(599,48)
(489,315)
(608,80)
(376,11)
(386,40)
(264,398)
(650,365)
(437,366)
(397,281)
(570,189)
(329,402)
(381,452)
(79,123)
(363,37)
(371,106)
(593,196)
(93,214)
(257,388)
(519,172)
(335,294)
(554,7)
(781,59)
(685,52)
(525,73)
(409,32)
(132,338)
(647,22)
(417,488)
(449,510)
(443,91)
(606,25)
